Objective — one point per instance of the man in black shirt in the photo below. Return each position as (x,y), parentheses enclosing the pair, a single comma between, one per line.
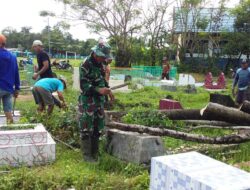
(43,60)
(44,65)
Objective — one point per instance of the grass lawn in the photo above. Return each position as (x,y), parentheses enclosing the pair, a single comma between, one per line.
(70,171)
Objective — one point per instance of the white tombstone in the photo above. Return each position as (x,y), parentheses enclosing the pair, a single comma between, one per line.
(186,79)
(26,146)
(194,171)
(168,82)
(76,81)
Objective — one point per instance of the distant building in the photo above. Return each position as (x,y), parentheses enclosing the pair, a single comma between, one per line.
(201,30)
(217,20)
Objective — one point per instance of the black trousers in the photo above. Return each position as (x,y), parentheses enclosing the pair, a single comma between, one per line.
(165,75)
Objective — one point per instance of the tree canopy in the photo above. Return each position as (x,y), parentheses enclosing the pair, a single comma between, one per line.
(61,39)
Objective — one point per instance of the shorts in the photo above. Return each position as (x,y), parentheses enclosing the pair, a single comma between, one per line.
(42,96)
(6,98)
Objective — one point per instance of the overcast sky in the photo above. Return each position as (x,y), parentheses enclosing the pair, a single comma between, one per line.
(18,13)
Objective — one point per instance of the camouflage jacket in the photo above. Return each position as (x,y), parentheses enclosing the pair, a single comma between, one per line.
(92,77)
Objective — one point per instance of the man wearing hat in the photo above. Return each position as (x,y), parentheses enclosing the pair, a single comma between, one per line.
(43,60)
(9,79)
(44,65)
(107,62)
(94,88)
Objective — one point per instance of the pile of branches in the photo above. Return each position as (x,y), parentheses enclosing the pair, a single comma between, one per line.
(214,116)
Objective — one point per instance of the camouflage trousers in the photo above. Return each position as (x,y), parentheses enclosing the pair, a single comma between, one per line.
(91,113)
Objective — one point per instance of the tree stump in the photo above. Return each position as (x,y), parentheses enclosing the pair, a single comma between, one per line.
(221,99)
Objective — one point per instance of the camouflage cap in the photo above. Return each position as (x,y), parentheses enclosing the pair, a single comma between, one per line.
(102,50)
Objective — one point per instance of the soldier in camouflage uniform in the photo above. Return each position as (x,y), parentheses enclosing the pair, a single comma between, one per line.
(94,88)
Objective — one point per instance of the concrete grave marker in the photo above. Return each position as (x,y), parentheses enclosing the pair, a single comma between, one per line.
(169,85)
(167,104)
(133,147)
(76,82)
(26,146)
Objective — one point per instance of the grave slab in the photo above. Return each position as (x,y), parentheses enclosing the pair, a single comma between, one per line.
(197,172)
(20,137)
(169,85)
(133,147)
(186,79)
(26,147)
(167,104)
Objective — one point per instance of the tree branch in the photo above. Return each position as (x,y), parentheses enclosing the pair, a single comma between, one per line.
(229,139)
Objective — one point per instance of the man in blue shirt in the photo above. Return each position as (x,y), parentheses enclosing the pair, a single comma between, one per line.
(242,79)
(43,90)
(9,79)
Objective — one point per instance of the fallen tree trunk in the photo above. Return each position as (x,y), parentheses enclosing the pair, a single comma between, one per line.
(229,139)
(245,107)
(218,127)
(212,114)
(190,114)
(221,113)
(207,122)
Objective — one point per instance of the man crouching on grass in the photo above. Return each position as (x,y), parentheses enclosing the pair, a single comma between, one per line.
(43,90)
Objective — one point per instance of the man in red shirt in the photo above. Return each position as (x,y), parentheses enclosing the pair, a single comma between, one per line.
(166,69)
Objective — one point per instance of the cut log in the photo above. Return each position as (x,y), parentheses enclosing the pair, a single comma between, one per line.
(221,113)
(190,114)
(206,122)
(229,139)
(245,107)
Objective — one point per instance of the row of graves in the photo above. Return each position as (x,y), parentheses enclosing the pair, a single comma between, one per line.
(31,144)
(183,171)
(190,170)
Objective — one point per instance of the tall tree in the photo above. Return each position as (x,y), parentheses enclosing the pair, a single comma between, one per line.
(239,41)
(188,22)
(61,39)
(156,25)
(118,18)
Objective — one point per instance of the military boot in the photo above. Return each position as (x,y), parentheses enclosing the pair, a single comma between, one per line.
(95,141)
(95,147)
(86,147)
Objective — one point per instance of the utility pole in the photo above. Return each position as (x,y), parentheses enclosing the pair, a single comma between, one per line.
(48,14)
(49,37)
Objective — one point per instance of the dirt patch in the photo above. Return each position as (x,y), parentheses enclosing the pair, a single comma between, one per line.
(26,97)
(242,164)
